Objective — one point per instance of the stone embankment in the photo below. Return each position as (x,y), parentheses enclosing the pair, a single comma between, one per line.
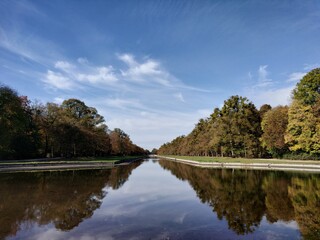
(263,166)
(59,164)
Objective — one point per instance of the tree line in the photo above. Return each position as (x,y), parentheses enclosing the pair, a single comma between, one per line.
(239,129)
(71,129)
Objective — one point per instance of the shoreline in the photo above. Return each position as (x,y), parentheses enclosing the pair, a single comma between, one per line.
(23,166)
(254,166)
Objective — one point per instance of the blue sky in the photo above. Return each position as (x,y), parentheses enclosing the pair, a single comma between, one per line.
(153,68)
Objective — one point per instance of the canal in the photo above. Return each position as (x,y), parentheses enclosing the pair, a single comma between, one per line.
(159,199)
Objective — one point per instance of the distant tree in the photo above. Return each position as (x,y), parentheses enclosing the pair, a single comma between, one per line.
(119,142)
(274,125)
(263,109)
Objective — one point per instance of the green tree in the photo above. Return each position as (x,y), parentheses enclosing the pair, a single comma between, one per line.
(308,89)
(240,128)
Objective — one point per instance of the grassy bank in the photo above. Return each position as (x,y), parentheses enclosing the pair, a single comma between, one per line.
(241,160)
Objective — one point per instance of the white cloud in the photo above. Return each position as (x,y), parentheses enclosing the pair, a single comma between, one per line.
(64,66)
(70,76)
(149,71)
(57,80)
(128,59)
(296,76)
(124,103)
(99,75)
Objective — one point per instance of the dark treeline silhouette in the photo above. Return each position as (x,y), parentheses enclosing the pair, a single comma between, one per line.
(243,197)
(72,129)
(62,198)
(238,129)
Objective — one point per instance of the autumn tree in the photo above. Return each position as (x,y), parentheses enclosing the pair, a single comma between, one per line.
(303,132)
(274,125)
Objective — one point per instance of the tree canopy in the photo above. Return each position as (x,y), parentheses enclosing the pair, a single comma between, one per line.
(71,129)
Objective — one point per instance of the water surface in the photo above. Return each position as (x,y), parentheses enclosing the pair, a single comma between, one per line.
(160,200)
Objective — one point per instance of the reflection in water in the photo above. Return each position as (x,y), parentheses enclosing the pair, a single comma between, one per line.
(62,198)
(305,196)
(244,197)
(154,204)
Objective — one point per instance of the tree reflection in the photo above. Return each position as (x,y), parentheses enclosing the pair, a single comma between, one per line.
(305,196)
(244,197)
(63,198)
(234,195)
(278,203)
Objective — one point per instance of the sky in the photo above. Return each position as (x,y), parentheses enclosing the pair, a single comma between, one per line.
(154,68)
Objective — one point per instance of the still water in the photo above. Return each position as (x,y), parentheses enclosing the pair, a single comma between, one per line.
(159,200)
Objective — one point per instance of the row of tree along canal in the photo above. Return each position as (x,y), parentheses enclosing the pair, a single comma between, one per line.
(238,129)
(71,129)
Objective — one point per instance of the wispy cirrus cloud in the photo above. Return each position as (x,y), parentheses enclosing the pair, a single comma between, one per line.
(263,80)
(147,74)
(296,76)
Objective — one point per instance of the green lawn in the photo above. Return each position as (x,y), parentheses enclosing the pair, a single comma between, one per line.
(242,160)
